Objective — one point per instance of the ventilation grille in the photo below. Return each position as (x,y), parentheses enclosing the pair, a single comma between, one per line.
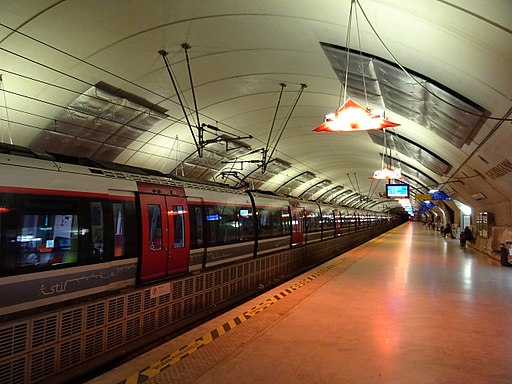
(115,175)
(94,344)
(95,315)
(13,340)
(71,323)
(70,353)
(44,331)
(134,303)
(114,336)
(13,371)
(43,364)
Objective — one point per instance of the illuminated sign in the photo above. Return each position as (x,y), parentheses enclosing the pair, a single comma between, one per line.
(399,191)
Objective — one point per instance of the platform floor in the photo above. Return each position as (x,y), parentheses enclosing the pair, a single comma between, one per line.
(407,307)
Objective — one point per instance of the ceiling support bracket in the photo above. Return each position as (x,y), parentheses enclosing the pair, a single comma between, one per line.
(199,141)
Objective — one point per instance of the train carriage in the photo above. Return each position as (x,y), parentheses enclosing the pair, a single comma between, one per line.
(69,231)
(62,238)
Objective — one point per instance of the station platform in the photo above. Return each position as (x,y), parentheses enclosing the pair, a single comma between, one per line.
(407,307)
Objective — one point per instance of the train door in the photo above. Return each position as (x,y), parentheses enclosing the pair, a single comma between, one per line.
(297,225)
(165,245)
(179,244)
(337,223)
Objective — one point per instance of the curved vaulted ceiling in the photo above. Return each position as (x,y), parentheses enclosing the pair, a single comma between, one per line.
(252,79)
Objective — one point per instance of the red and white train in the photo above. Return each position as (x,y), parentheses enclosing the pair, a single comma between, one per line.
(69,231)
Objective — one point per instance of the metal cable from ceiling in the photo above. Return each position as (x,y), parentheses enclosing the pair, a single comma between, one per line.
(2,90)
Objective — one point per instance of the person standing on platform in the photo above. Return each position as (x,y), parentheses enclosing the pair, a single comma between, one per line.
(465,235)
(448,231)
(505,256)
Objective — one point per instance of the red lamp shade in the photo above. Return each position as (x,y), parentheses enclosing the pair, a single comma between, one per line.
(387,174)
(352,117)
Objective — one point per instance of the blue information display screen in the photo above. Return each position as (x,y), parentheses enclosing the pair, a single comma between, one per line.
(400,191)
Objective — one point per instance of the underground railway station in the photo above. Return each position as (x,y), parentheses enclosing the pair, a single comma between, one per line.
(224,191)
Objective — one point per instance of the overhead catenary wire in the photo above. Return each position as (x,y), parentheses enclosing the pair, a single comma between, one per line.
(168,66)
(283,85)
(186,47)
(285,123)
(2,90)
(357,183)
(351,183)
(375,188)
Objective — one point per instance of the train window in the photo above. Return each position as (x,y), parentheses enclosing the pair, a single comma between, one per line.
(97,229)
(196,226)
(45,231)
(179,225)
(8,232)
(228,225)
(222,223)
(48,239)
(245,220)
(313,221)
(328,219)
(155,227)
(118,229)
(337,219)
(125,229)
(285,221)
(273,222)
(212,224)
(298,221)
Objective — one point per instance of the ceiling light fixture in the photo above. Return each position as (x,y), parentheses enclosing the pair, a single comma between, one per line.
(387,172)
(351,116)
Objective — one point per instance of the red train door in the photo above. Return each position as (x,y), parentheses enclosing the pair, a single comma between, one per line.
(297,225)
(165,244)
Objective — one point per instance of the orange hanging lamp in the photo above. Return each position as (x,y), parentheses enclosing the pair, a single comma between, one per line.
(352,117)
(387,174)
